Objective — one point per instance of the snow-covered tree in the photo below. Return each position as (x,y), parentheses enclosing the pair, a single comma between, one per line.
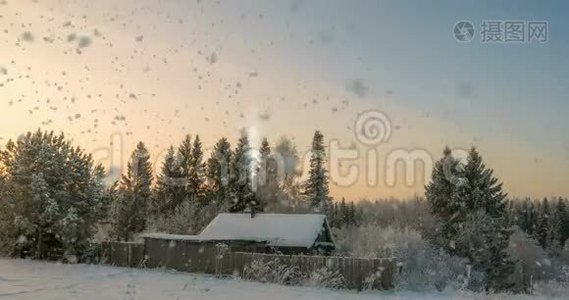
(526,216)
(316,188)
(241,176)
(218,183)
(185,155)
(170,184)
(563,212)
(439,194)
(196,175)
(267,178)
(130,210)
(459,196)
(542,224)
(287,162)
(52,196)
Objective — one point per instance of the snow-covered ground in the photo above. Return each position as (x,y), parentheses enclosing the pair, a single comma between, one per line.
(24,279)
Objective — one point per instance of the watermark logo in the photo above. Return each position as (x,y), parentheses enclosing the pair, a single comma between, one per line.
(372,128)
(463,31)
(503,31)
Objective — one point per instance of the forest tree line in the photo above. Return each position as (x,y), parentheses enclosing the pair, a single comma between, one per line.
(54,201)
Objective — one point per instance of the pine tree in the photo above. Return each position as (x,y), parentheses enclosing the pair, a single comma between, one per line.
(542,224)
(170,185)
(485,191)
(51,197)
(219,185)
(563,212)
(267,178)
(440,193)
(454,195)
(352,215)
(241,177)
(196,175)
(526,217)
(554,231)
(185,155)
(131,210)
(316,187)
(531,218)
(343,208)
(334,216)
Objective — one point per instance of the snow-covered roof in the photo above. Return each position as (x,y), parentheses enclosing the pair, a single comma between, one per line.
(167,236)
(280,230)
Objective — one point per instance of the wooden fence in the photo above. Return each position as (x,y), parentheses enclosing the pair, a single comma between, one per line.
(122,254)
(210,258)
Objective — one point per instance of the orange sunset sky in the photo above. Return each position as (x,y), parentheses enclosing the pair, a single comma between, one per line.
(123,71)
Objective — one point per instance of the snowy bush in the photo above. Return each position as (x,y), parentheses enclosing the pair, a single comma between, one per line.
(533,263)
(551,289)
(324,277)
(274,271)
(423,266)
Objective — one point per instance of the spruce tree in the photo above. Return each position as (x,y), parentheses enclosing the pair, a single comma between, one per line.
(454,194)
(542,224)
(170,185)
(352,215)
(241,177)
(316,188)
(343,208)
(531,218)
(218,165)
(51,198)
(554,231)
(563,212)
(131,210)
(484,189)
(440,194)
(267,178)
(185,156)
(196,175)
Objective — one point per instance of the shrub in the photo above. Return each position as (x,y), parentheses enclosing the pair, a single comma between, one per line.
(423,266)
(533,264)
(324,277)
(274,271)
